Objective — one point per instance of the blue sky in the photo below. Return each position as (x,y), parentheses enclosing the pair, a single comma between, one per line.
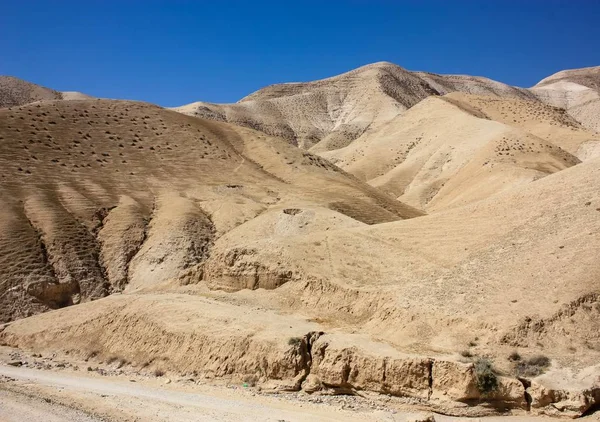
(176,52)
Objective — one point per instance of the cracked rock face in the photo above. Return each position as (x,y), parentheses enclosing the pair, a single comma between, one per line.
(555,401)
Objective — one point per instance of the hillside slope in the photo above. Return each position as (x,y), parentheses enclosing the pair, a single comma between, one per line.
(577,91)
(17,92)
(331,113)
(394,308)
(436,283)
(236,254)
(95,195)
(446,151)
(434,157)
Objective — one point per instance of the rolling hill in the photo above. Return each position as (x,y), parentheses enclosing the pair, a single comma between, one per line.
(89,185)
(331,113)
(17,92)
(577,91)
(381,231)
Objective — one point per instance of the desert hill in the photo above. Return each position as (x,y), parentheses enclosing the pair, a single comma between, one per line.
(396,308)
(577,91)
(447,220)
(460,148)
(17,92)
(90,187)
(331,113)
(587,76)
(439,281)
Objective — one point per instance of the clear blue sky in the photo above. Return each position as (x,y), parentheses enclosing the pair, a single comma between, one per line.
(176,52)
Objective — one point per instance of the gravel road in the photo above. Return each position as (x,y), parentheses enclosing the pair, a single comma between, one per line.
(55,396)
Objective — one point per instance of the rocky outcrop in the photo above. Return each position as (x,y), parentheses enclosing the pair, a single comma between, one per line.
(348,368)
(242,268)
(178,238)
(563,402)
(72,251)
(186,335)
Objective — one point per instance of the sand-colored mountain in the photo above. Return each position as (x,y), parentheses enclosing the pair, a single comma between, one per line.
(190,245)
(88,186)
(577,91)
(17,92)
(460,148)
(331,113)
(298,298)
(371,122)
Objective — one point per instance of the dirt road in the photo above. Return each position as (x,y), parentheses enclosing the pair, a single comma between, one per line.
(17,407)
(106,398)
(56,396)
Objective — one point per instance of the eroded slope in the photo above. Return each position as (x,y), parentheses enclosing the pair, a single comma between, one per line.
(577,91)
(446,151)
(384,308)
(98,194)
(329,114)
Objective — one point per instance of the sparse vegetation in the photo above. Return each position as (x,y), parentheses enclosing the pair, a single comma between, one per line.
(487,382)
(92,354)
(251,380)
(111,359)
(532,367)
(158,372)
(514,356)
(294,341)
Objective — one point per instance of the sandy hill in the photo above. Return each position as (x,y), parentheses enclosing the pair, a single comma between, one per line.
(331,113)
(550,123)
(587,76)
(460,148)
(577,91)
(206,247)
(16,92)
(93,190)
(298,299)
(436,282)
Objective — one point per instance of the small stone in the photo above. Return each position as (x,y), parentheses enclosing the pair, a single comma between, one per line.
(15,363)
(425,417)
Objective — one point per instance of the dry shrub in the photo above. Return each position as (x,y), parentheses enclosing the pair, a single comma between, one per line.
(487,382)
(532,367)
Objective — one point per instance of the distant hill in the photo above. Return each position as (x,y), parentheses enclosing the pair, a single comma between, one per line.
(577,91)
(331,113)
(17,92)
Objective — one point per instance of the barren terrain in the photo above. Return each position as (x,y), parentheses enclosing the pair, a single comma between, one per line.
(394,240)
(51,389)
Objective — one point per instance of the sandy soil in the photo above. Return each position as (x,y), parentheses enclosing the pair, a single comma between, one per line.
(36,395)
